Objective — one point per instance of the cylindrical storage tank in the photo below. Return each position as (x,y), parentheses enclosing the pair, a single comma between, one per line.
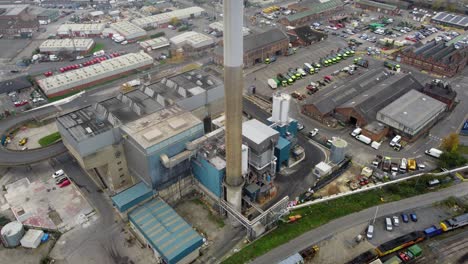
(284,115)
(276,111)
(245,159)
(12,233)
(338,150)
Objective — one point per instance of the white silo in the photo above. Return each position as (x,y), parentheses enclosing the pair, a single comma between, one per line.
(276,108)
(338,150)
(245,159)
(12,233)
(285,102)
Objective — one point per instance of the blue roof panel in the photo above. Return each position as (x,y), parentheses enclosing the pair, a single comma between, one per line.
(165,230)
(282,143)
(131,196)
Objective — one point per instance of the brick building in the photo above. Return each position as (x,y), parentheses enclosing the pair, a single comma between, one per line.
(305,36)
(259,47)
(441,91)
(17,20)
(315,11)
(377,7)
(443,58)
(358,101)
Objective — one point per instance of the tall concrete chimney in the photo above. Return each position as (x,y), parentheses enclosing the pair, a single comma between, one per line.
(233,87)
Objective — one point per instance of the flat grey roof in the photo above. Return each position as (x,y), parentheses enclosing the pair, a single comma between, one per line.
(413,109)
(257,131)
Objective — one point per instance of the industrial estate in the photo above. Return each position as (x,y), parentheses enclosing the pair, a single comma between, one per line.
(226,131)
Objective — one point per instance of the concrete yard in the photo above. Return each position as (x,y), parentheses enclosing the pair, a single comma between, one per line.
(33,134)
(26,255)
(36,201)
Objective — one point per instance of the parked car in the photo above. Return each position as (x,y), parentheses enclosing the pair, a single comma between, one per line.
(64,183)
(313,132)
(300,126)
(60,180)
(21,103)
(396,221)
(414,217)
(370,232)
(23,141)
(404,218)
(58,174)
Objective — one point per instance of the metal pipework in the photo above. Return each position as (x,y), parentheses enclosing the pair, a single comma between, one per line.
(233,87)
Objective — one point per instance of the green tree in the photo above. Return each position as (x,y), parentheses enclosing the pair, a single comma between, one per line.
(449,160)
(451,142)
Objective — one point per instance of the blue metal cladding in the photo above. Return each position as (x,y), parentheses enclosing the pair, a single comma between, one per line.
(165,230)
(292,128)
(282,151)
(131,196)
(162,177)
(208,175)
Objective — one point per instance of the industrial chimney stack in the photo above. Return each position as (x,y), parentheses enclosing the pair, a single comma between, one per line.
(233,87)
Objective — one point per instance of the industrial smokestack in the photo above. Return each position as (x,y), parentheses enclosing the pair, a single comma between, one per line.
(233,87)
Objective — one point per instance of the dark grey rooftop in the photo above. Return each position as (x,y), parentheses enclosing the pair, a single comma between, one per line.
(14,85)
(438,51)
(440,89)
(84,123)
(413,109)
(253,42)
(369,102)
(453,19)
(330,98)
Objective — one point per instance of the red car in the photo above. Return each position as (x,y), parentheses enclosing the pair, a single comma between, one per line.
(64,183)
(62,69)
(404,256)
(49,73)
(21,103)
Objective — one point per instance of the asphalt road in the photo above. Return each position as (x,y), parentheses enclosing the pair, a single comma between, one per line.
(341,224)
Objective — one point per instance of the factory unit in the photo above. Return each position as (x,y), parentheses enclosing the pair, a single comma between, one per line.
(452,20)
(192,40)
(54,46)
(129,31)
(411,115)
(377,7)
(155,43)
(313,11)
(81,30)
(82,78)
(439,57)
(142,135)
(258,47)
(48,15)
(17,20)
(163,19)
(219,27)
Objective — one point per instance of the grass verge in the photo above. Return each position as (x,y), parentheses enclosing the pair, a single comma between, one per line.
(463,149)
(97,47)
(49,139)
(319,214)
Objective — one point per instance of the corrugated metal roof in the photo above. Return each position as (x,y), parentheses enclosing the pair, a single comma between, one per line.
(256,131)
(269,37)
(458,20)
(376,4)
(316,9)
(165,230)
(131,196)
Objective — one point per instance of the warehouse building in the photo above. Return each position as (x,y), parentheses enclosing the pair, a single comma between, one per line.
(18,85)
(17,20)
(144,133)
(49,15)
(305,36)
(80,30)
(219,27)
(373,6)
(161,229)
(411,115)
(155,43)
(439,57)
(81,46)
(128,30)
(258,47)
(358,101)
(82,78)
(162,20)
(192,40)
(314,11)
(452,20)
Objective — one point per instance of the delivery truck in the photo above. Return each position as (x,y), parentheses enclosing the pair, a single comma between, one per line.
(433,152)
(273,83)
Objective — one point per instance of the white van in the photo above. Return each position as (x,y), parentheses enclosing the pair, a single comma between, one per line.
(395,140)
(375,144)
(433,152)
(356,132)
(388,224)
(364,139)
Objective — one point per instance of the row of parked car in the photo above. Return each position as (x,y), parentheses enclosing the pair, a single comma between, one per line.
(391,222)
(61,179)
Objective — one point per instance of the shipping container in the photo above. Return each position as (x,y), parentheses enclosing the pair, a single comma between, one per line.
(432,231)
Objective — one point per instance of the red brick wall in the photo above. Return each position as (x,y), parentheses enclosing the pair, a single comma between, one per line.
(350,112)
(375,137)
